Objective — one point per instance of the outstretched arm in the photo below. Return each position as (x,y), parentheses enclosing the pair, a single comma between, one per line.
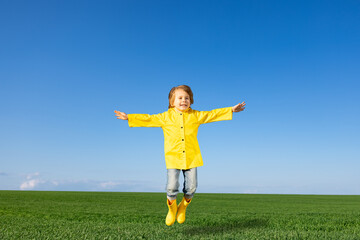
(141,120)
(121,115)
(239,107)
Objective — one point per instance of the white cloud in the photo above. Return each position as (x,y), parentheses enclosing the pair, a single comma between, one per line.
(32,181)
(36,181)
(32,175)
(30,184)
(109,184)
(119,184)
(56,183)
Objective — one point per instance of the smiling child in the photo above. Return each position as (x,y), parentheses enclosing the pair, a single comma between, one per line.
(182,153)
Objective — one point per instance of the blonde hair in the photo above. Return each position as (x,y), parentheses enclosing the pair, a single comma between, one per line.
(186,88)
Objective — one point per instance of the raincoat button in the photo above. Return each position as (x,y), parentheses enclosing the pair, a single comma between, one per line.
(183,139)
(181,126)
(183,151)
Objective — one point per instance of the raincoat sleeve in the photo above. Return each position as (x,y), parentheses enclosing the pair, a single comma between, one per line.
(146,120)
(219,114)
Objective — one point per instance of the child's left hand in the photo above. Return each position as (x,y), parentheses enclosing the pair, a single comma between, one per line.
(238,108)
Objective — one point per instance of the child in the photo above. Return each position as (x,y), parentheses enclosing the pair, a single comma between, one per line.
(182,153)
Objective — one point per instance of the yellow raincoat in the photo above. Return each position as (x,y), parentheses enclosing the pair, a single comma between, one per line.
(181,146)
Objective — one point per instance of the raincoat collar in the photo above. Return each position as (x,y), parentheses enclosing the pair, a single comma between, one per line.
(174,110)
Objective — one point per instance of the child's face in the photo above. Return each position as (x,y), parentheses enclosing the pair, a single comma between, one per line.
(181,100)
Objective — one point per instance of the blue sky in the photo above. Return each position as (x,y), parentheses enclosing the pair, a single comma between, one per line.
(65,66)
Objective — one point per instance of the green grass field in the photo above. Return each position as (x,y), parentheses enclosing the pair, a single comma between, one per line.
(107,215)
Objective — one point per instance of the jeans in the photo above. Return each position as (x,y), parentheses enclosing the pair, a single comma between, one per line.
(190,183)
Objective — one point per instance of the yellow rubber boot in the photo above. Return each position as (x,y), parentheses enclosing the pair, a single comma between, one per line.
(182,210)
(170,218)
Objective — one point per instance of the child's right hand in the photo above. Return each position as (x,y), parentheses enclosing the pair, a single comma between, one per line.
(121,115)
